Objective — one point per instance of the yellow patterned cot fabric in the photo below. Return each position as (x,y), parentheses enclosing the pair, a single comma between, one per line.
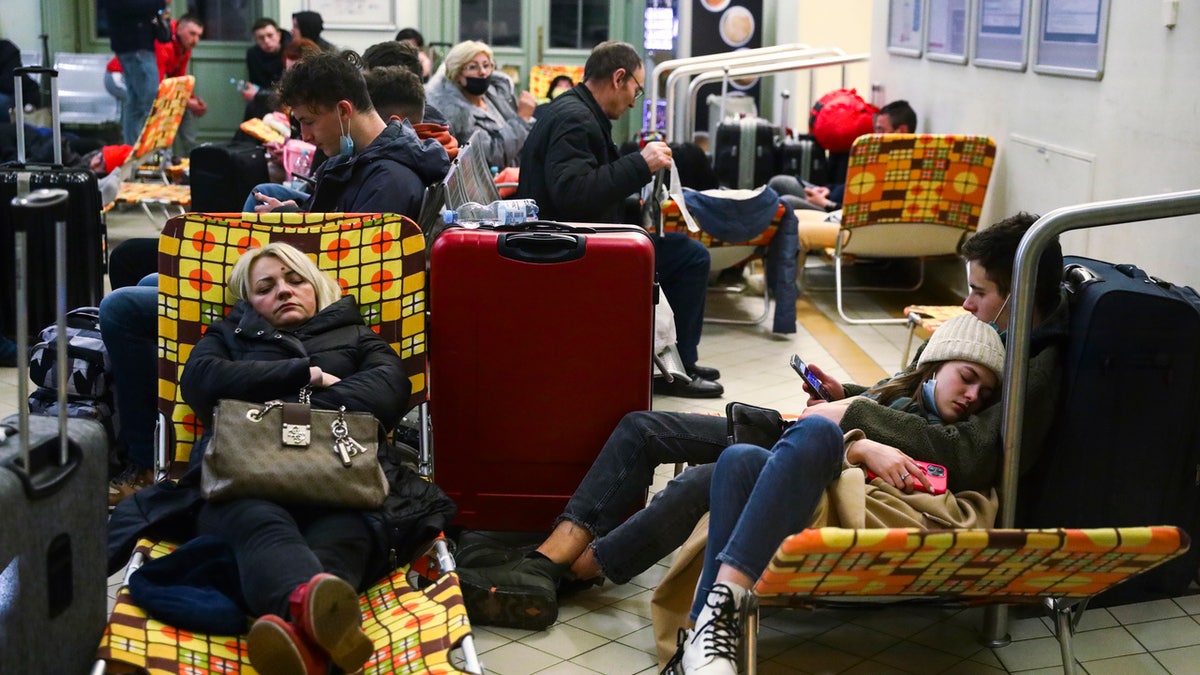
(931,317)
(541,76)
(673,221)
(917,178)
(154,193)
(163,122)
(379,259)
(413,630)
(970,565)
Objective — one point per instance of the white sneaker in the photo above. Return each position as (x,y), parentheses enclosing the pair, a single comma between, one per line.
(712,648)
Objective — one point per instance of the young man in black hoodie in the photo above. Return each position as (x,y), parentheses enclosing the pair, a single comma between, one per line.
(264,66)
(308,25)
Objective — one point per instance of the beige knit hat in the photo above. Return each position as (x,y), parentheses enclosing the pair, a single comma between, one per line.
(965,338)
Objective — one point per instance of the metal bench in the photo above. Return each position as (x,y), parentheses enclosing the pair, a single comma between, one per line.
(82,97)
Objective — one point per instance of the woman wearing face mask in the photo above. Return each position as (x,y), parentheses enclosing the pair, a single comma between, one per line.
(760,496)
(474,96)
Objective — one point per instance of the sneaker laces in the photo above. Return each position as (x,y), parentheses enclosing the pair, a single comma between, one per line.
(722,633)
(674,665)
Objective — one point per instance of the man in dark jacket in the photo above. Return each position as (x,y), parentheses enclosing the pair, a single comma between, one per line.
(264,66)
(571,167)
(308,25)
(131,36)
(10,60)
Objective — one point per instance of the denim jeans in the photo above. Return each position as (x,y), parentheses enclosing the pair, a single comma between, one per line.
(761,496)
(278,548)
(280,192)
(615,486)
(682,265)
(129,327)
(141,86)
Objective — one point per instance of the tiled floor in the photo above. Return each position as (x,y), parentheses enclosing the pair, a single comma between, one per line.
(608,629)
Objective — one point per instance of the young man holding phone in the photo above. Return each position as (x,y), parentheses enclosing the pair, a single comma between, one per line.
(593,539)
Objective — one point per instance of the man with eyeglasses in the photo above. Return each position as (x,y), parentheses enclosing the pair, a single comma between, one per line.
(571,167)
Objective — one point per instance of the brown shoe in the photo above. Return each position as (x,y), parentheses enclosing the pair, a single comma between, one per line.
(129,482)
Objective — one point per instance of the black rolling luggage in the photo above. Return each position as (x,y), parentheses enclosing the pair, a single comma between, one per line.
(1125,450)
(804,158)
(745,152)
(86,240)
(223,174)
(53,495)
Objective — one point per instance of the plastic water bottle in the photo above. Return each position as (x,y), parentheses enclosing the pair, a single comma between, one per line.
(302,165)
(499,212)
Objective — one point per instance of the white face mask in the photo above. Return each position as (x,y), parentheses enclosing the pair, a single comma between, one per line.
(1000,311)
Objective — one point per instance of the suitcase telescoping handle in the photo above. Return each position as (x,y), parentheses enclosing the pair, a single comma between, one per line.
(55,126)
(41,474)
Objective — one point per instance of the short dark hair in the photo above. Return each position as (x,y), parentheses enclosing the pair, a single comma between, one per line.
(995,249)
(262,22)
(396,91)
(900,113)
(608,57)
(320,81)
(309,22)
(558,79)
(410,34)
(190,18)
(392,53)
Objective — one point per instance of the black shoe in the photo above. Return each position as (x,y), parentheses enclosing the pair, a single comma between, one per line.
(697,388)
(522,594)
(569,587)
(703,372)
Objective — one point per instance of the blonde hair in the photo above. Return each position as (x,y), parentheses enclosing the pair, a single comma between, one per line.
(461,54)
(327,289)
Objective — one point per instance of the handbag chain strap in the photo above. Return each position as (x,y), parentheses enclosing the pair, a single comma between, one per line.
(345,445)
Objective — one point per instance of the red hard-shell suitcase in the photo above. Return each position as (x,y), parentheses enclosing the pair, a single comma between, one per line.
(540,340)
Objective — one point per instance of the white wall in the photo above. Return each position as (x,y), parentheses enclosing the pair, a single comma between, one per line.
(358,40)
(21,22)
(845,24)
(1137,124)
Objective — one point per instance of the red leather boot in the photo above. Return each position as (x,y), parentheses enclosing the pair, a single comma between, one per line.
(275,647)
(327,612)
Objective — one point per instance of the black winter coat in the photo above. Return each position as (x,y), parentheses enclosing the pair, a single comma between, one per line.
(571,167)
(130,24)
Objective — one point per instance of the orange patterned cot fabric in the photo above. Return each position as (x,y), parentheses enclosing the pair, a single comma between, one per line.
(541,76)
(380,259)
(413,630)
(163,122)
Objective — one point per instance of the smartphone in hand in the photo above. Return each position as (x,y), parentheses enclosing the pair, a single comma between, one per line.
(935,472)
(802,370)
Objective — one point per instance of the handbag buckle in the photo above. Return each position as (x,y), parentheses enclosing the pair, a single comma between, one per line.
(297,425)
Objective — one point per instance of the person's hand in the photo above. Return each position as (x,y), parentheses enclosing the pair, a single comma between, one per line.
(319,378)
(657,155)
(894,467)
(268,204)
(526,104)
(817,196)
(831,385)
(833,413)
(197,106)
(274,151)
(249,91)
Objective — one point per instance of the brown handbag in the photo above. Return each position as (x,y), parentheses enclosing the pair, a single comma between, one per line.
(290,453)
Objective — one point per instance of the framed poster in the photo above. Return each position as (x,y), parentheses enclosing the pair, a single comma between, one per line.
(946,31)
(905,23)
(355,14)
(1071,38)
(1001,34)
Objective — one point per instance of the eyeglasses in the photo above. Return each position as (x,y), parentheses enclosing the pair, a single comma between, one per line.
(640,89)
(475,67)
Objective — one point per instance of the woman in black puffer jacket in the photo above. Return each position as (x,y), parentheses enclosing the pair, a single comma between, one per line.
(288,330)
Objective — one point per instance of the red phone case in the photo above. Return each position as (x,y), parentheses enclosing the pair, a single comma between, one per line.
(936,473)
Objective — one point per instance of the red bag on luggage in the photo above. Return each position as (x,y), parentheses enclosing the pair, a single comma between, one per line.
(839,117)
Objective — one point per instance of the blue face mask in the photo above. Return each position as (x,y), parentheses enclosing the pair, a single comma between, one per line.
(927,395)
(345,143)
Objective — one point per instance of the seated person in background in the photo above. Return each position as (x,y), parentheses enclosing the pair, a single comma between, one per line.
(558,85)
(596,538)
(10,60)
(308,25)
(264,66)
(474,96)
(434,124)
(300,566)
(759,496)
(412,36)
(373,166)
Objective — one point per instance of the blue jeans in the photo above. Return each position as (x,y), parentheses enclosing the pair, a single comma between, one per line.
(141,87)
(129,326)
(280,192)
(615,486)
(682,265)
(761,496)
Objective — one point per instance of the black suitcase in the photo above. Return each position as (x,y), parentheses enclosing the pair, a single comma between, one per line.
(86,241)
(53,586)
(223,174)
(1125,450)
(804,158)
(745,152)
